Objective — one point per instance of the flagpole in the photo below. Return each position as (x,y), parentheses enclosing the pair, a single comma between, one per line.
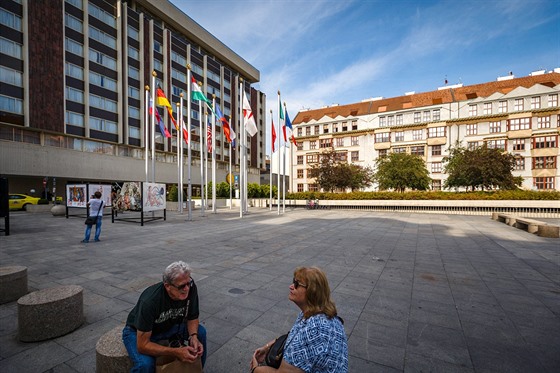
(230,176)
(242,152)
(214,157)
(147,128)
(284,173)
(154,74)
(271,154)
(189,183)
(201,159)
(279,148)
(179,160)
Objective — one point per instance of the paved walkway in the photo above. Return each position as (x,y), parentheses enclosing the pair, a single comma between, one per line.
(418,292)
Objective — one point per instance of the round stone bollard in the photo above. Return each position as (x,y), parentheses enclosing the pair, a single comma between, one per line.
(110,354)
(50,313)
(13,283)
(58,210)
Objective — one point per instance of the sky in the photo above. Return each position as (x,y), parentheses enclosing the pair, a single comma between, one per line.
(325,52)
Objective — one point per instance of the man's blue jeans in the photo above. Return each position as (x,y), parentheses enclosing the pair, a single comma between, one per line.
(146,363)
(97,229)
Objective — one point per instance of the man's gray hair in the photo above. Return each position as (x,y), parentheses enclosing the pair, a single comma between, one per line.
(175,270)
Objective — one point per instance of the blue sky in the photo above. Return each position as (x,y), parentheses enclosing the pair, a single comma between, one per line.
(324,52)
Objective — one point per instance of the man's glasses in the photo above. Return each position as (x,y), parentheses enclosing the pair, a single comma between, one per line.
(182,287)
(297,284)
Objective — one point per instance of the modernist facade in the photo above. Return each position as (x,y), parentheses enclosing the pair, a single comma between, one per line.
(517,115)
(72,95)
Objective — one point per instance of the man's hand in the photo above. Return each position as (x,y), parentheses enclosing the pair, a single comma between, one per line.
(186,354)
(196,345)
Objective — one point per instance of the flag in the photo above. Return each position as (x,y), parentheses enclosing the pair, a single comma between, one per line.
(284,131)
(280,110)
(161,100)
(209,136)
(273,137)
(250,125)
(289,125)
(162,128)
(197,94)
(228,132)
(185,132)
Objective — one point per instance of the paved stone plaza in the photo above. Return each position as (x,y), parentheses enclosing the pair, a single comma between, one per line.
(418,292)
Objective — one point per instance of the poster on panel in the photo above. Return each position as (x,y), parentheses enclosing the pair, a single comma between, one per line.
(105,190)
(76,195)
(154,197)
(129,197)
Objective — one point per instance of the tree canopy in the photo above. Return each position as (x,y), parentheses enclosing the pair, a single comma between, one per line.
(333,172)
(401,171)
(481,167)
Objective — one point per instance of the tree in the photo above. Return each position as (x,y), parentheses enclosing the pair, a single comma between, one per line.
(333,172)
(481,167)
(400,171)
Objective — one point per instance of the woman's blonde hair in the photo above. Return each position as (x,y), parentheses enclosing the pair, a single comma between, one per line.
(318,292)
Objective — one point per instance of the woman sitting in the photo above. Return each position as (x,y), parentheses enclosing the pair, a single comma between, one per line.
(317,342)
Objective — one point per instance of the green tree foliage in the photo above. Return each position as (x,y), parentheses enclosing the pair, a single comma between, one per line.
(173,194)
(481,167)
(401,171)
(265,191)
(333,172)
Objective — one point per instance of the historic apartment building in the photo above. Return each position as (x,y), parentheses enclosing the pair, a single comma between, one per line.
(517,115)
(72,95)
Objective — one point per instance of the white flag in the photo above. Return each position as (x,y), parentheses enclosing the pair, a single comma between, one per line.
(250,125)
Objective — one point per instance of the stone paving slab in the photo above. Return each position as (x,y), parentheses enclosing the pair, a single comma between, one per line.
(418,292)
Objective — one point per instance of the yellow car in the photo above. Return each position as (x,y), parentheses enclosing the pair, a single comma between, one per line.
(19,201)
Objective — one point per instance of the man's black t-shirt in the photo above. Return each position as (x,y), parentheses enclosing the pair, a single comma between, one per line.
(157,312)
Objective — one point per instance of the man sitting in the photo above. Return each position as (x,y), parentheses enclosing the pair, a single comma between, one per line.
(166,311)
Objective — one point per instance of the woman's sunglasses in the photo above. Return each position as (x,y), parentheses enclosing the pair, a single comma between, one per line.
(297,284)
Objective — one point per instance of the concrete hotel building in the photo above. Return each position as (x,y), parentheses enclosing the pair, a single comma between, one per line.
(518,115)
(72,78)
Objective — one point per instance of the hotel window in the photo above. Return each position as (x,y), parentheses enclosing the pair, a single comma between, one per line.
(316,130)
(472,129)
(133,53)
(132,32)
(300,188)
(355,156)
(399,136)
(518,145)
(179,76)
(181,60)
(400,149)
(10,104)
(436,115)
(299,145)
(487,109)
(73,23)
(102,59)
(133,73)
(518,104)
(473,111)
(102,37)
(502,107)
(341,156)
(495,127)
(134,132)
(382,153)
(382,137)
(519,164)
(354,125)
(76,3)
(102,125)
(427,116)
(74,119)
(436,150)
(399,120)
(102,103)
(10,19)
(544,162)
(14,77)
(325,143)
(73,94)
(312,144)
(326,128)
(102,81)
(157,46)
(544,183)
(436,132)
(472,145)
(308,131)
(354,140)
(11,48)
(382,122)
(496,144)
(311,158)
(436,184)
(339,142)
(553,100)
(417,150)
(417,117)
(72,47)
(300,132)
(535,102)
(543,122)
(133,112)
(300,159)
(300,174)
(519,124)
(417,134)
(436,167)
(158,65)
(102,15)
(344,126)
(391,120)
(313,187)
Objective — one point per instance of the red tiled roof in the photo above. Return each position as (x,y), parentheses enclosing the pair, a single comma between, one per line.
(427,98)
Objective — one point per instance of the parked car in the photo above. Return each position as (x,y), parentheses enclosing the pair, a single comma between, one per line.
(19,201)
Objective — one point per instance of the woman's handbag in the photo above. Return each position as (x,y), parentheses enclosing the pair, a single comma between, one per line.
(91,220)
(274,355)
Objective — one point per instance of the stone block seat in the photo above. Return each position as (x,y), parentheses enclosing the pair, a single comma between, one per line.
(50,313)
(110,354)
(13,283)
